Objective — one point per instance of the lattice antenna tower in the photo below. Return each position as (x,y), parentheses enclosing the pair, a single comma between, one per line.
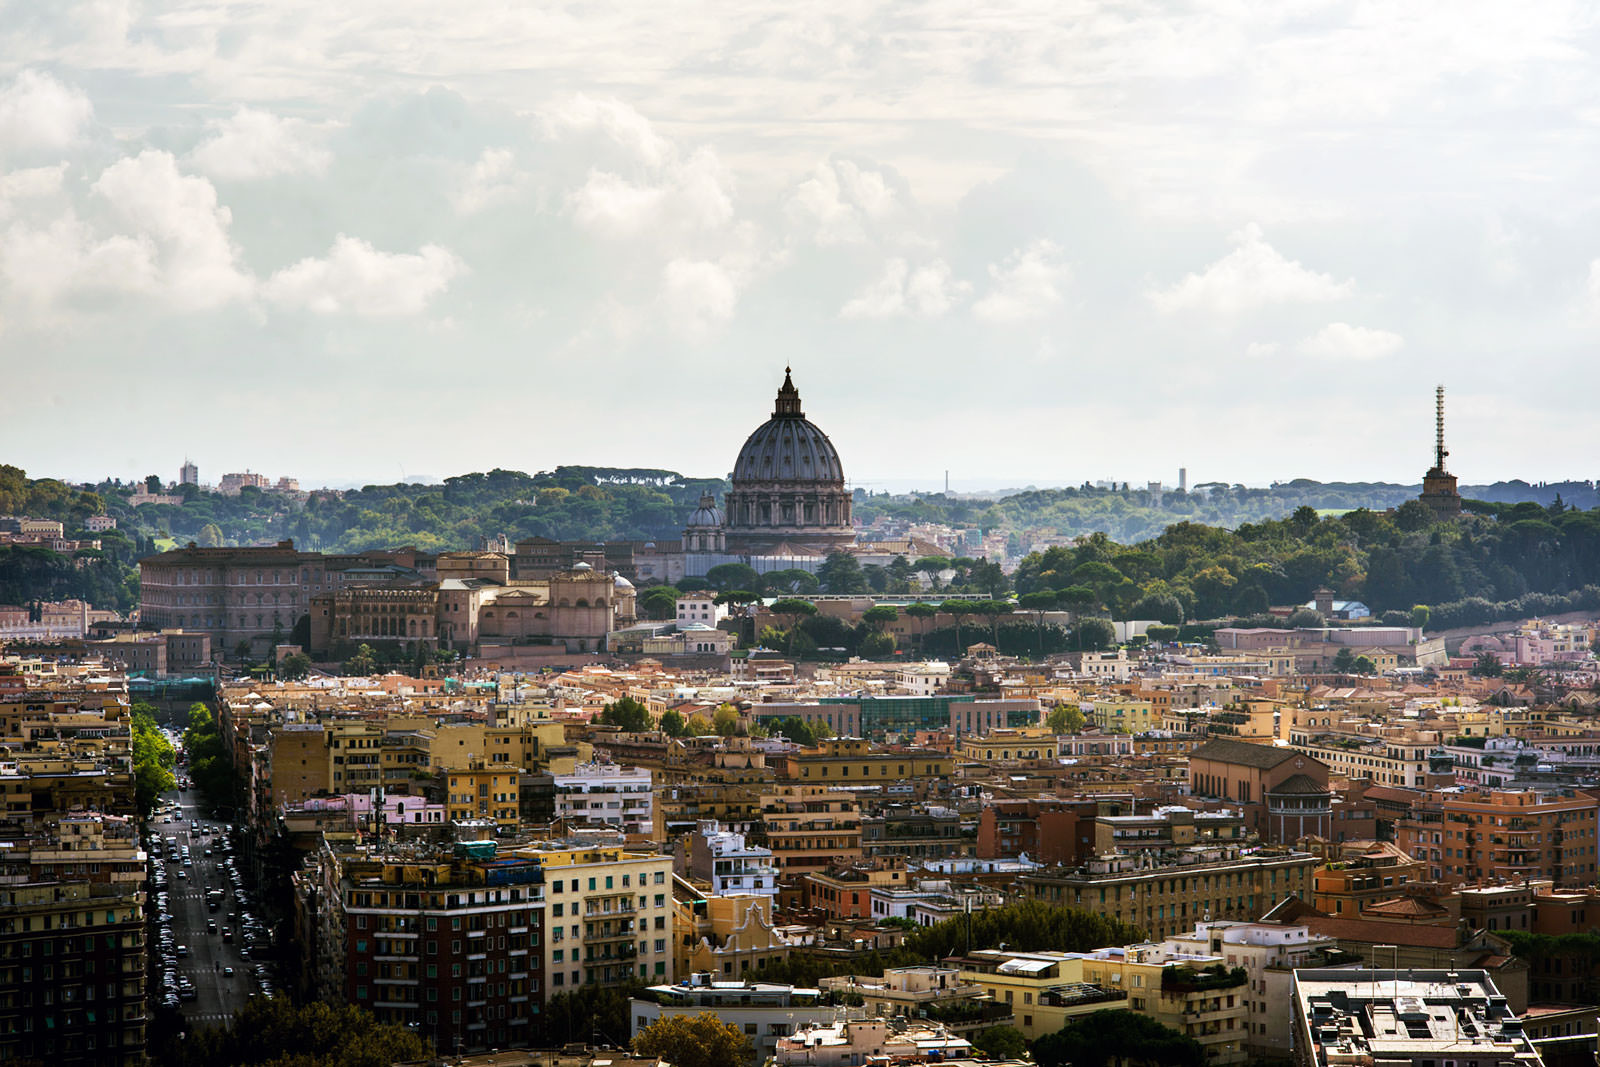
(1439,451)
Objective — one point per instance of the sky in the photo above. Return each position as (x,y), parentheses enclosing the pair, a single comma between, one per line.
(1023,243)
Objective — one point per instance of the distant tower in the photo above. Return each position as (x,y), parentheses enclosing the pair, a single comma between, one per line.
(1183,479)
(188,474)
(1439,485)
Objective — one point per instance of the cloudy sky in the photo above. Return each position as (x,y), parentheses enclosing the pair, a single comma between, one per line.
(1030,242)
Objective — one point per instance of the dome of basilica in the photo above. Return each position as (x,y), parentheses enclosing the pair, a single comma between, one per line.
(788,447)
(788,488)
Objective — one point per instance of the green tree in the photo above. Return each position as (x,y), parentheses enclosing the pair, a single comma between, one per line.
(295,666)
(1001,1043)
(702,1040)
(922,612)
(725,720)
(153,759)
(1117,1038)
(659,602)
(1364,665)
(672,724)
(1487,665)
(241,651)
(1162,634)
(841,573)
(726,576)
(959,609)
(1305,619)
(876,645)
(277,1032)
(794,609)
(1094,634)
(363,663)
(210,536)
(1064,719)
(880,615)
(1344,661)
(626,714)
(1421,615)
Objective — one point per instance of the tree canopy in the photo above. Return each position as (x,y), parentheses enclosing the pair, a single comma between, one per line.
(1117,1038)
(702,1040)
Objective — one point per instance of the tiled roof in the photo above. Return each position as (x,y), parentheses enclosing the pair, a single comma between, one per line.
(1243,753)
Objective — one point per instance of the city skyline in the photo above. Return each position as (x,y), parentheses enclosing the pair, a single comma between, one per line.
(1074,243)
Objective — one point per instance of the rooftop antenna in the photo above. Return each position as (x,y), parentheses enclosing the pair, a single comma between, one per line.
(1439,451)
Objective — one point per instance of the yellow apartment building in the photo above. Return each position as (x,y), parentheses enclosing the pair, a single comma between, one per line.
(483,791)
(807,828)
(609,916)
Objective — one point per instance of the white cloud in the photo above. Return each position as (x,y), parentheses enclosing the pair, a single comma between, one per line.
(30,184)
(42,265)
(1253,275)
(492,179)
(358,279)
(1025,285)
(195,257)
(1261,349)
(686,196)
(928,292)
(612,118)
(698,296)
(38,113)
(840,201)
(258,144)
(1339,340)
(1592,286)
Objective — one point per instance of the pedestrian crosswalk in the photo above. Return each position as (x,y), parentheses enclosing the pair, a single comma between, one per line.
(210,1017)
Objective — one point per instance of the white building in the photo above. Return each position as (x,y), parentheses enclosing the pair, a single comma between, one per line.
(1406,1017)
(691,639)
(606,793)
(1269,953)
(99,523)
(763,1011)
(922,679)
(700,607)
(732,866)
(870,1041)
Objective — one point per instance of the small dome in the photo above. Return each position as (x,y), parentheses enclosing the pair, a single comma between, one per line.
(622,583)
(582,567)
(708,514)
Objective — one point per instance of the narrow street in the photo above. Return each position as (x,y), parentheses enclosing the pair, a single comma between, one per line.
(209,943)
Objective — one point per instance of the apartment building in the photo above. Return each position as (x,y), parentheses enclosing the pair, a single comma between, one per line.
(848,761)
(1503,835)
(726,861)
(1169,894)
(482,790)
(72,944)
(606,794)
(1269,954)
(448,943)
(808,827)
(609,915)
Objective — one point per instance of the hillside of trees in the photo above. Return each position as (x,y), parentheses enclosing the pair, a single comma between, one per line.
(1505,561)
(1221,551)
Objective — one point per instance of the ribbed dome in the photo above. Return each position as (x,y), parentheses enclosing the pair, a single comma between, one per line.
(708,514)
(788,447)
